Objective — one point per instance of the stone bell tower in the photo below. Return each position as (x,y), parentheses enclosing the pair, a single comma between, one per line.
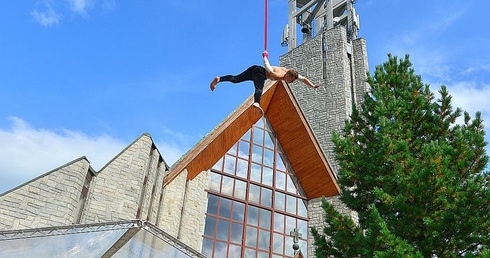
(332,55)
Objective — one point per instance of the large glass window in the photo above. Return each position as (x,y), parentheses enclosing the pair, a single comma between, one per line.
(253,201)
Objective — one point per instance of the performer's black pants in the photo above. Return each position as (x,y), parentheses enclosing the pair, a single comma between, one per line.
(254,73)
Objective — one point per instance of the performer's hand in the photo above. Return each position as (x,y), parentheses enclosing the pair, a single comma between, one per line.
(265,54)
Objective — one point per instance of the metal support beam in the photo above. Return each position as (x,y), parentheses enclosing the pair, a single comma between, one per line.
(120,242)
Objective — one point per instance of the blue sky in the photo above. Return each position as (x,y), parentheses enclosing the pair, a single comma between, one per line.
(87,77)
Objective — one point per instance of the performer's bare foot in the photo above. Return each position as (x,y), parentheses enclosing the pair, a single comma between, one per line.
(213,83)
(259,109)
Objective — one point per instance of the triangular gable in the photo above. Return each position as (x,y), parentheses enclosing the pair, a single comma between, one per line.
(142,137)
(294,134)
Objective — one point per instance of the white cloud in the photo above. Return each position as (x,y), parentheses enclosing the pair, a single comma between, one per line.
(174,145)
(476,69)
(28,152)
(45,14)
(48,14)
(432,68)
(407,38)
(81,6)
(471,97)
(171,152)
(447,16)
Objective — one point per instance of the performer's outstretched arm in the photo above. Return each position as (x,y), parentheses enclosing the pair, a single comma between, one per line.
(307,81)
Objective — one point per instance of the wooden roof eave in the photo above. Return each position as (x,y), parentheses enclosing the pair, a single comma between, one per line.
(294,133)
(300,145)
(214,145)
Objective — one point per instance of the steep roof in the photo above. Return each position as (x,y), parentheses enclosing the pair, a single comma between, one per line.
(293,132)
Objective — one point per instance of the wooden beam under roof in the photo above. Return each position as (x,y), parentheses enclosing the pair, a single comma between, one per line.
(214,145)
(300,145)
(294,134)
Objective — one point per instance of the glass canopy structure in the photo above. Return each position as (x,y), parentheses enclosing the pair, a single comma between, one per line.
(133,238)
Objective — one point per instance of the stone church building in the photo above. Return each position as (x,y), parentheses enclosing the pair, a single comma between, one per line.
(250,188)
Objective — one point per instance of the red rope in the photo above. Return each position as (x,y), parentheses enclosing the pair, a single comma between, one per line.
(265,24)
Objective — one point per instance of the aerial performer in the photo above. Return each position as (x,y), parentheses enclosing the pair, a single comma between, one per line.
(258,74)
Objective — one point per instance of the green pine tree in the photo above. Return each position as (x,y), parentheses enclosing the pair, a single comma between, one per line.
(415,177)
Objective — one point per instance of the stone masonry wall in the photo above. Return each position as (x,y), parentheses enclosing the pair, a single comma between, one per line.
(193,213)
(157,196)
(317,217)
(53,199)
(116,192)
(153,182)
(325,59)
(171,208)
(361,68)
